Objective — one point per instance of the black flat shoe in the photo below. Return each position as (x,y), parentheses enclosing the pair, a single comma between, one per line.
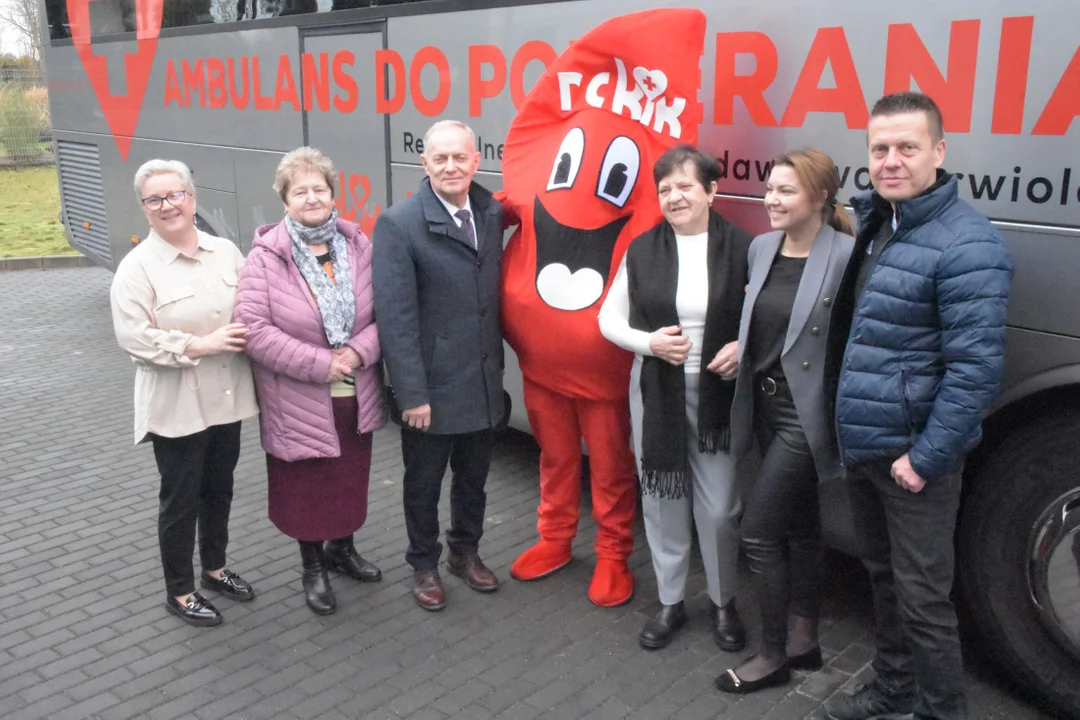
(197,611)
(728,629)
(230,585)
(662,626)
(341,556)
(729,682)
(809,660)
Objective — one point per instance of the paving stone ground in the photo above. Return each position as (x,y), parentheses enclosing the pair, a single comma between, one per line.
(83,633)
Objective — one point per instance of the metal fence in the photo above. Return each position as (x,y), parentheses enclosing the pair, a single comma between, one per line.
(25,128)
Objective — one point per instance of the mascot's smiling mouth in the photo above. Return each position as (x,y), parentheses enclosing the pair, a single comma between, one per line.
(572,265)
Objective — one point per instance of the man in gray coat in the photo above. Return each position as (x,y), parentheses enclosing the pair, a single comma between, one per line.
(435,272)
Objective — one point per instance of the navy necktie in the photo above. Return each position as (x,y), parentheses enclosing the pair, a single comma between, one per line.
(466,225)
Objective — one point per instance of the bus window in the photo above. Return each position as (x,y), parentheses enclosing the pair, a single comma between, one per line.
(181,13)
(108,17)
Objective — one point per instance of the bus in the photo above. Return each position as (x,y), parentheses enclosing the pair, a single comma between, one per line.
(228,86)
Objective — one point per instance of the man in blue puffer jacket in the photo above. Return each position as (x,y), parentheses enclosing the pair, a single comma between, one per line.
(916,351)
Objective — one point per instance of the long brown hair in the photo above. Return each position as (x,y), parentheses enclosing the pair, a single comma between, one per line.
(817,173)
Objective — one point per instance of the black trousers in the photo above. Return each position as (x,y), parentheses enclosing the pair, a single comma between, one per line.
(781,526)
(196,491)
(909,552)
(425,457)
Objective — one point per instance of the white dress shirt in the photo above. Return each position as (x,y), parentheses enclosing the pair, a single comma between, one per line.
(452,210)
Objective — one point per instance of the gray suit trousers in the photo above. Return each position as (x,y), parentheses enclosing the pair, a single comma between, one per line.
(712,507)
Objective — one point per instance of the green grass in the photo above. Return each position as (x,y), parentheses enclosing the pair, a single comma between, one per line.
(29,213)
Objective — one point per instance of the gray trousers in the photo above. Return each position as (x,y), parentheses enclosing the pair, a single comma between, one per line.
(712,507)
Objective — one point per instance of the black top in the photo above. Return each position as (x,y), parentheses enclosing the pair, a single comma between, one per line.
(772,314)
(868,259)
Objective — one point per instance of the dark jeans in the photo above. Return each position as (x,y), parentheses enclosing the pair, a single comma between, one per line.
(196,490)
(908,549)
(425,457)
(781,527)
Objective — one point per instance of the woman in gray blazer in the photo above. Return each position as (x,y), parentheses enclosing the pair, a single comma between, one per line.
(794,272)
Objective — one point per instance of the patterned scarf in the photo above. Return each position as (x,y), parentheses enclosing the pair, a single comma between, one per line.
(335,298)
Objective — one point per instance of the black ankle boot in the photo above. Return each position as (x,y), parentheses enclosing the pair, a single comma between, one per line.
(662,626)
(317,590)
(341,555)
(728,629)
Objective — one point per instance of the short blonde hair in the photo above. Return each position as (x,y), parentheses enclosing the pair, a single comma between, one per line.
(303,159)
(157,166)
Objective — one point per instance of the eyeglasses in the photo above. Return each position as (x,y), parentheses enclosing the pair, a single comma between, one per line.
(174,199)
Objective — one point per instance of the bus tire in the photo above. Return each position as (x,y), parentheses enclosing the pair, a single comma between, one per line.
(1011,489)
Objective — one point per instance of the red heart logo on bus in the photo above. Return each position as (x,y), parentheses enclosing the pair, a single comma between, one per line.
(121,111)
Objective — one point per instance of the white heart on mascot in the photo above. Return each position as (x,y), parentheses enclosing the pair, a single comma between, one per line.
(565,290)
(652,82)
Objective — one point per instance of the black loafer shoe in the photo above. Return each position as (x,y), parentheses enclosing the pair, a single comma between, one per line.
(728,629)
(230,585)
(197,611)
(662,626)
(731,683)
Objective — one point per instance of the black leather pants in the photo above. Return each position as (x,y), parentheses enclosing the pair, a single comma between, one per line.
(781,527)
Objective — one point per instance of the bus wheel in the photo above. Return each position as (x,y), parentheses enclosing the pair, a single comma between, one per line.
(1018,560)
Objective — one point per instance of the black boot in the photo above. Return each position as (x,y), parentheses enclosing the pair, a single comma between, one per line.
(728,629)
(341,555)
(662,626)
(317,590)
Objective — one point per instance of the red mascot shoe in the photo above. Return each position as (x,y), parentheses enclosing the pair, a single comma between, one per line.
(612,583)
(542,559)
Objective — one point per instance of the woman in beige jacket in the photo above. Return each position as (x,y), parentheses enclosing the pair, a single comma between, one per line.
(172,304)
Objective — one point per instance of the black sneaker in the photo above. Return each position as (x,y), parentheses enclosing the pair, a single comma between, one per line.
(870,702)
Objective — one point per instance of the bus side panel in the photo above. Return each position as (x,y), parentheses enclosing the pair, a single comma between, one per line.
(229,89)
(72,103)
(232,89)
(256,200)
(356,140)
(212,170)
(1046,263)
(808,77)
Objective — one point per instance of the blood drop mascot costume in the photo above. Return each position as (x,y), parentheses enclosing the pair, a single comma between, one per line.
(577,167)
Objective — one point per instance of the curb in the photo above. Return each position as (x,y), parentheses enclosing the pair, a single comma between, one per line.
(45,262)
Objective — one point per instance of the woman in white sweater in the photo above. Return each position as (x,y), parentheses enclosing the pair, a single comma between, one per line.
(676,303)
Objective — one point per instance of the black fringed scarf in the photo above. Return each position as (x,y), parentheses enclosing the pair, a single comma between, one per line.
(652,266)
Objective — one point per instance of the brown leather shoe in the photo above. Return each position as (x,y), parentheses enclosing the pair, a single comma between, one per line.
(429,590)
(472,570)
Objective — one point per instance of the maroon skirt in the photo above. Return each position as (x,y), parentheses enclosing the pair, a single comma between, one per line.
(324,498)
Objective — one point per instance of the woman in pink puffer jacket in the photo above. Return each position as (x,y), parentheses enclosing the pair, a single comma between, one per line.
(305,295)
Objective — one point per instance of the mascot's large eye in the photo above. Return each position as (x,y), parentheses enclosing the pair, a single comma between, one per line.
(619,171)
(567,161)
